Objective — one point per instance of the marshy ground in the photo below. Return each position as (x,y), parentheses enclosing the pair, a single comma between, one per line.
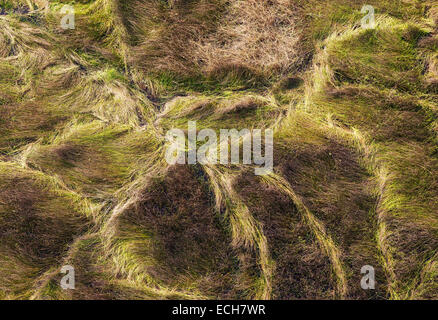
(84,181)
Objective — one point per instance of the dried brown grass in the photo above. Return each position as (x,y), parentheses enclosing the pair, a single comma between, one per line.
(258,35)
(214,38)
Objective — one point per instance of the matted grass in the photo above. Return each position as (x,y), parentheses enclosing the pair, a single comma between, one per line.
(38,222)
(83,117)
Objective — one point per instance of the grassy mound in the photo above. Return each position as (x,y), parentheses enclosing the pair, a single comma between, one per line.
(39,221)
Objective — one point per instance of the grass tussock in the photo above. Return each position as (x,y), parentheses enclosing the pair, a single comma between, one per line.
(93,158)
(258,36)
(241,41)
(38,222)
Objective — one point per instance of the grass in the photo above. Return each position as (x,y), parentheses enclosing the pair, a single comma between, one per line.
(39,221)
(399,130)
(83,117)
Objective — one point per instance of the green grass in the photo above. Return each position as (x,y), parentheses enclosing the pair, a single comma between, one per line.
(38,220)
(83,179)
